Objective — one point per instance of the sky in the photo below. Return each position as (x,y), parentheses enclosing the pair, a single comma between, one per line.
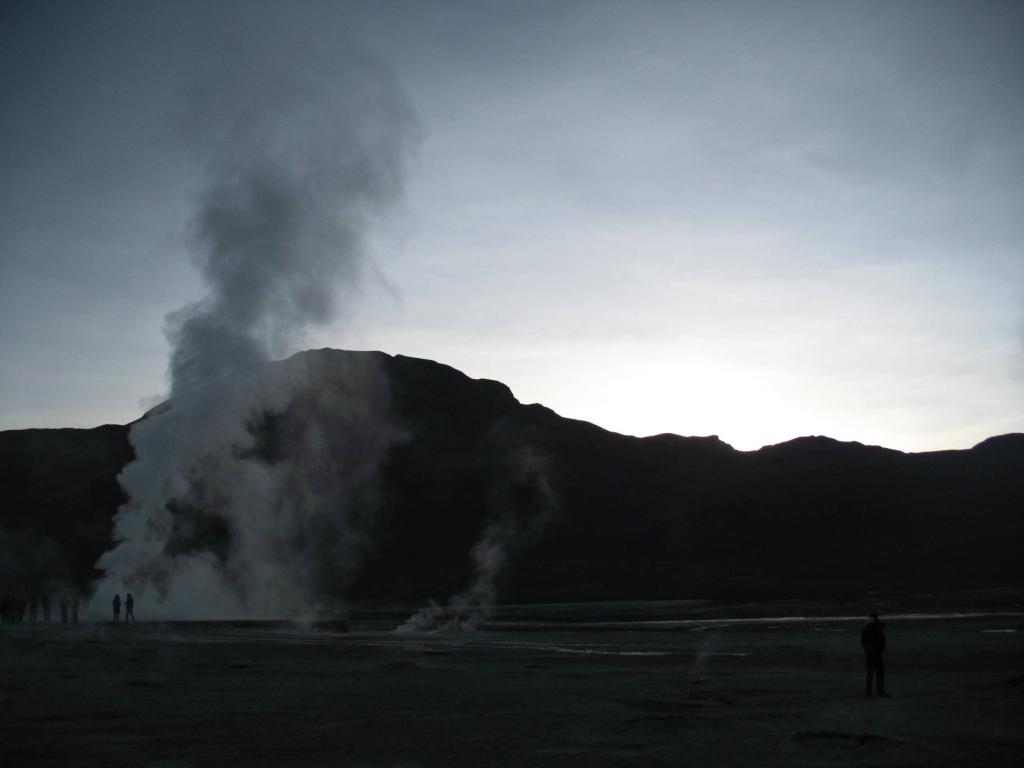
(753,220)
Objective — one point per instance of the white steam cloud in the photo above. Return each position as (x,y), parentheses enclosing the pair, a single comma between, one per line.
(253,486)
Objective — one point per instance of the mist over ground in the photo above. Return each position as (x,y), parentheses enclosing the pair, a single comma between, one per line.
(582,232)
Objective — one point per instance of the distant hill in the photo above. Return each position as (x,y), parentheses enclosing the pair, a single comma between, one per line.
(635,518)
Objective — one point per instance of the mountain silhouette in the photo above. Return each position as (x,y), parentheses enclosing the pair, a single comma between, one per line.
(658,517)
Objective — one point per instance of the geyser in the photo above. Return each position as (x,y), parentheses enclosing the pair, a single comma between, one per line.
(253,484)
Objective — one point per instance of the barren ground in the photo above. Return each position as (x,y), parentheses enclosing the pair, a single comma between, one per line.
(537,690)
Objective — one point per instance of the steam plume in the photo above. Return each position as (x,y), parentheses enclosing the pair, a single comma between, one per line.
(252,486)
(521,506)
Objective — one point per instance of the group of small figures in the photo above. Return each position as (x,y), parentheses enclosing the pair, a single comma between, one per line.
(129,608)
(14,608)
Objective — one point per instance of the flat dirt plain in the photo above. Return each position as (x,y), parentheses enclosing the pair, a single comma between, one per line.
(645,684)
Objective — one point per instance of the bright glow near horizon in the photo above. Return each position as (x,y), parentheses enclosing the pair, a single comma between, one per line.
(752,221)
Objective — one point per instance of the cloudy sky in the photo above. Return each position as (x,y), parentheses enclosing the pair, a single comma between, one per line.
(756,220)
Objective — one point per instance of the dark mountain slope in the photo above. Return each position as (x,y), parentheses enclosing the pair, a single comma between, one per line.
(58,493)
(656,517)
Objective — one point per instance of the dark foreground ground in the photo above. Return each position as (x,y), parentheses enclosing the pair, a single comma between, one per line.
(546,687)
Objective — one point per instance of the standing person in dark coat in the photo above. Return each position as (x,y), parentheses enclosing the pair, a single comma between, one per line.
(116,603)
(872,639)
(129,608)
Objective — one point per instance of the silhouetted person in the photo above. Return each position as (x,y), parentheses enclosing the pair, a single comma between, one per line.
(46,606)
(74,608)
(117,608)
(129,608)
(64,605)
(872,639)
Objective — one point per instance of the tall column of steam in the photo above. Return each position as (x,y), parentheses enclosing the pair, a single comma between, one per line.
(299,158)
